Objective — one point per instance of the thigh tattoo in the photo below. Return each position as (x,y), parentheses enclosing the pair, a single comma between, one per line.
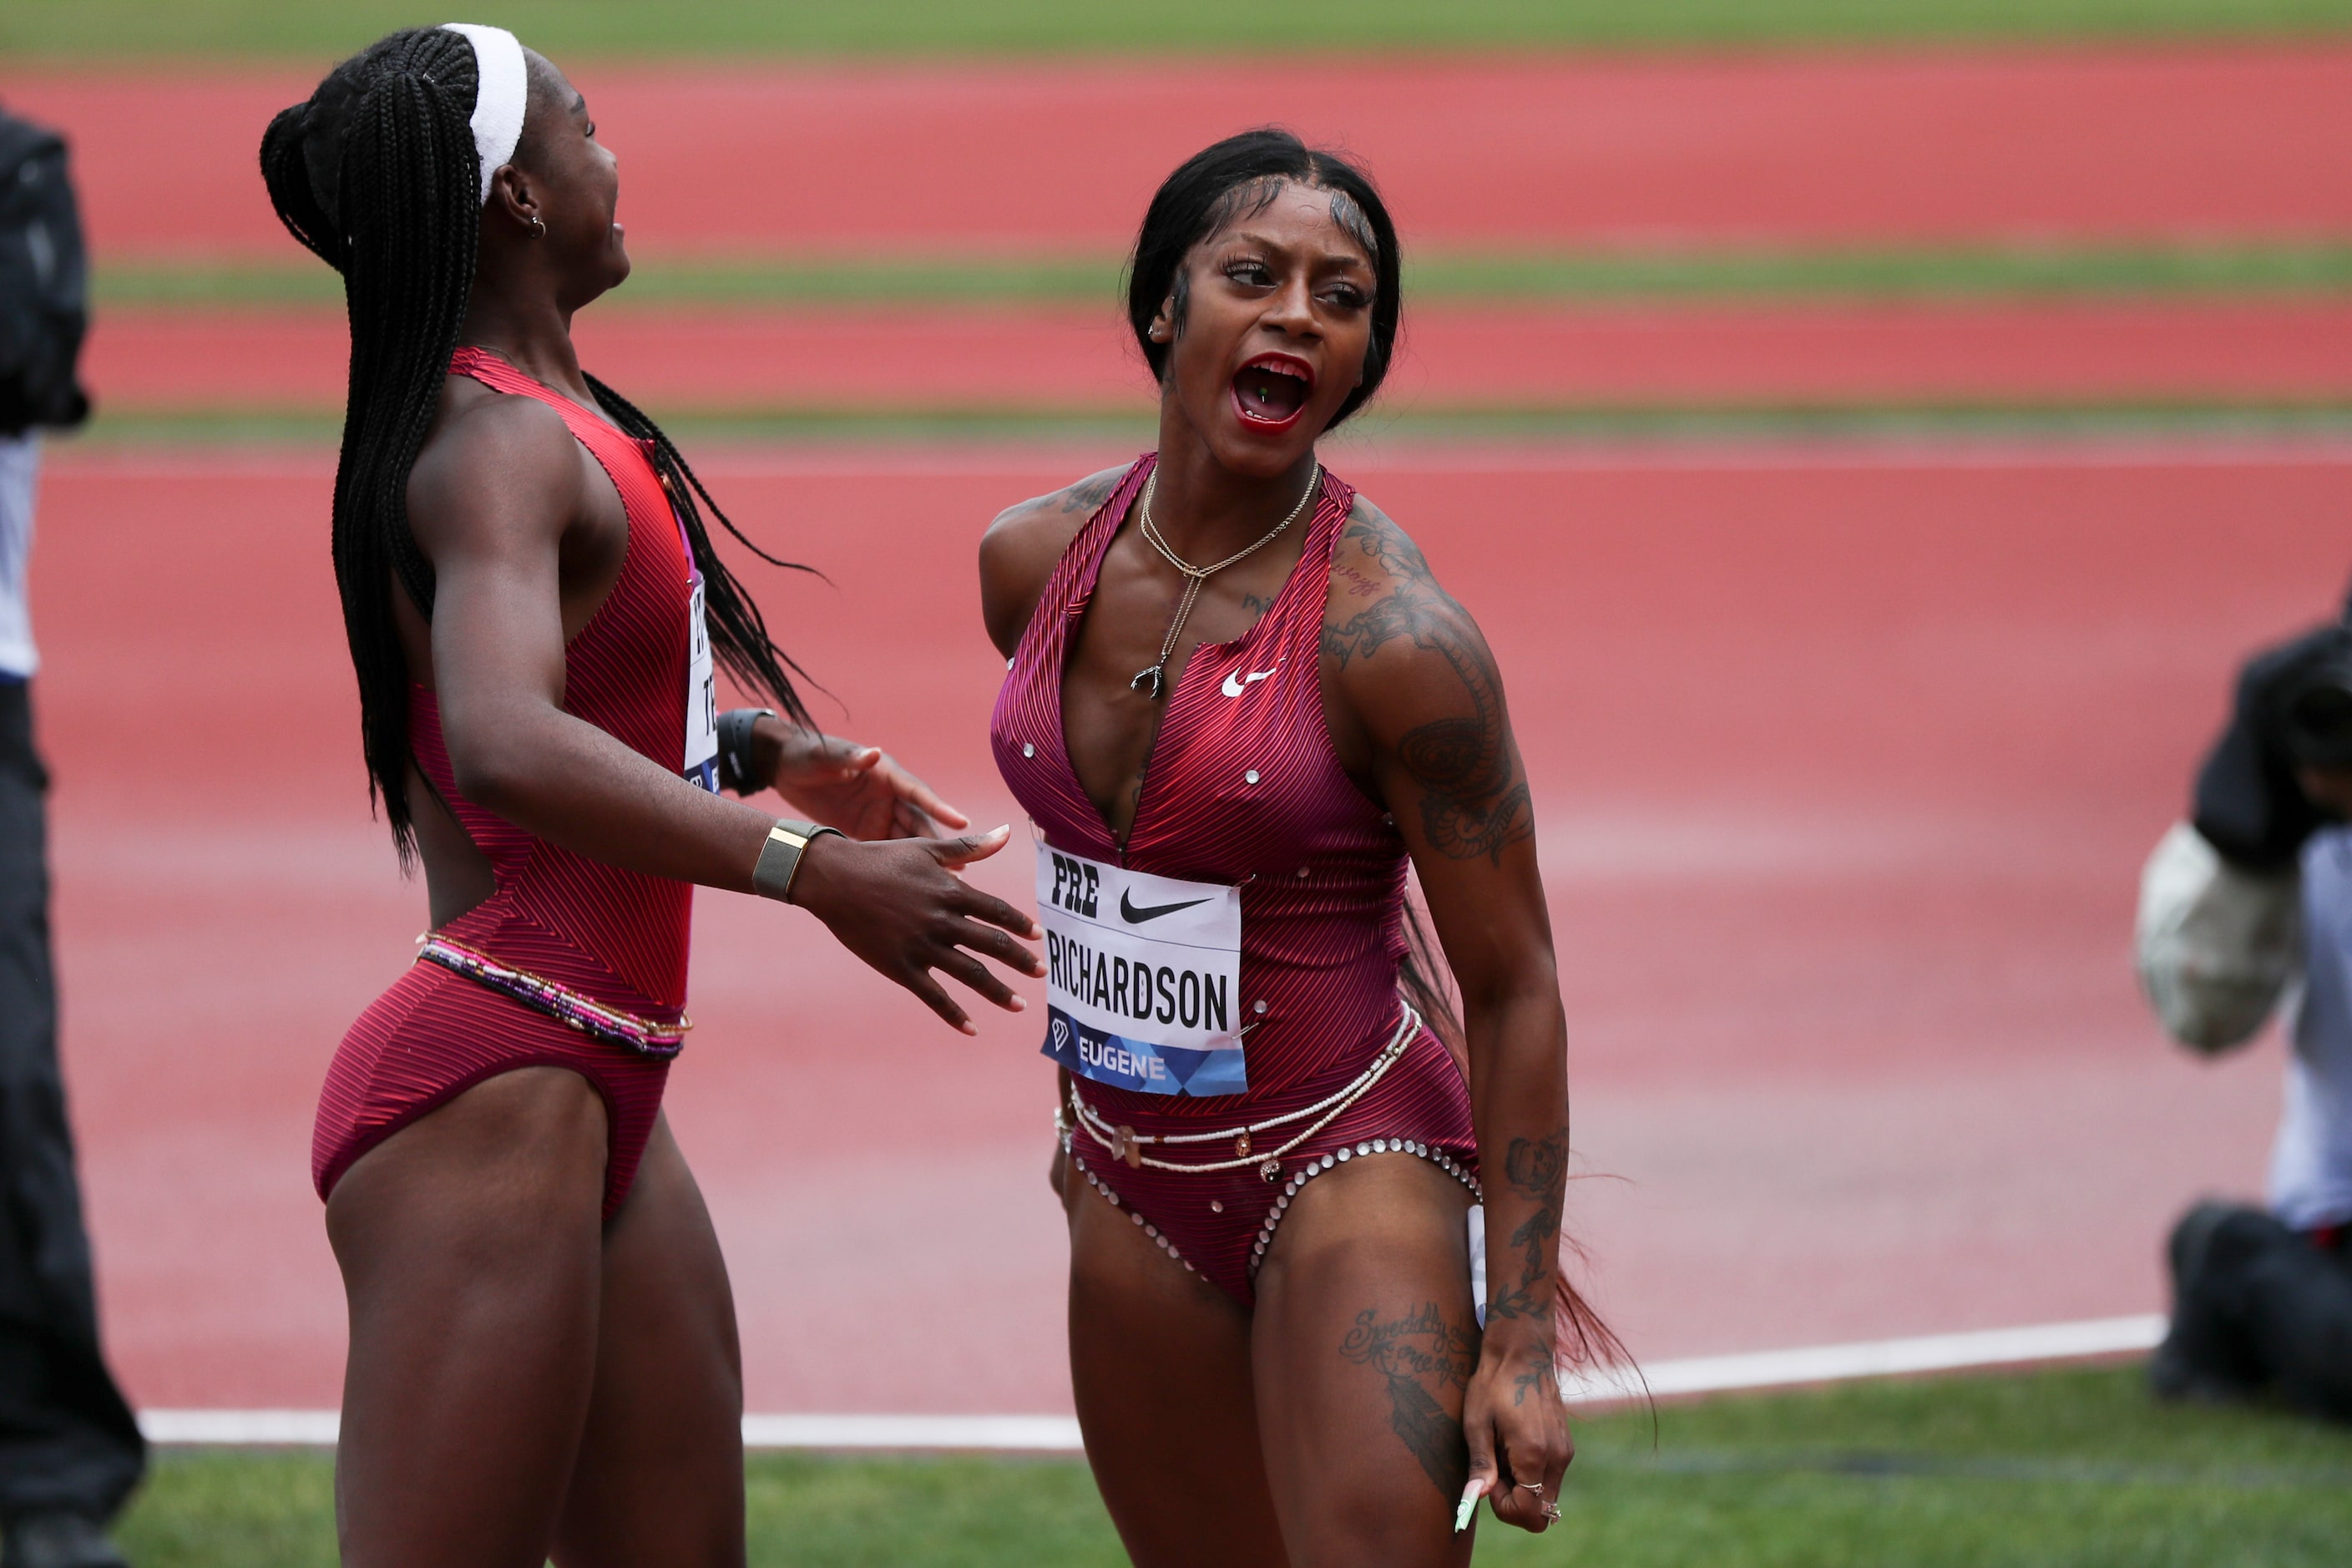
(1421,1356)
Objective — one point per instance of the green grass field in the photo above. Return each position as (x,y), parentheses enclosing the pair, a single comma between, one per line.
(1981,273)
(157,27)
(2006,421)
(1616,424)
(2074,1468)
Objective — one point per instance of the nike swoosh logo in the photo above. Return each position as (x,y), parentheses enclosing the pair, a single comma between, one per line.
(1235,682)
(1136,917)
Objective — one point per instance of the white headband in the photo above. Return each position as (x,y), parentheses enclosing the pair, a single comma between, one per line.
(502,84)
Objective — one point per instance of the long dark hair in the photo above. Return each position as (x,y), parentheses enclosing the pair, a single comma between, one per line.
(1233,179)
(376,174)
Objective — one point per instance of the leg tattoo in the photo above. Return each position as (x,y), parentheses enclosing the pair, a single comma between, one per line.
(1421,1356)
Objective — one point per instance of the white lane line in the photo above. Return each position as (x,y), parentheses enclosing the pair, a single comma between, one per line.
(1879,1358)
(1030,1434)
(1059,1433)
(242,1428)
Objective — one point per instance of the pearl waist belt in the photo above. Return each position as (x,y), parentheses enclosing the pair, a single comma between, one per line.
(1126,1143)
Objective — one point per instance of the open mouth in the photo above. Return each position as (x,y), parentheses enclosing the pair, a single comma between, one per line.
(1271,391)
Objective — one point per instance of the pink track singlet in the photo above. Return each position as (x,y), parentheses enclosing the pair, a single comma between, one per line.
(1243,788)
(618,936)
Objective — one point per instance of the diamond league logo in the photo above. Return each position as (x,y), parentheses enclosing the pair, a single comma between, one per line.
(1061,1035)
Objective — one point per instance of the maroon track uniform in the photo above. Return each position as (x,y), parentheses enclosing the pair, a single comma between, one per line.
(1244,792)
(618,937)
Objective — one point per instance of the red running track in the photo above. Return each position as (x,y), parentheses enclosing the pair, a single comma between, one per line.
(1946,146)
(1455,357)
(1845,760)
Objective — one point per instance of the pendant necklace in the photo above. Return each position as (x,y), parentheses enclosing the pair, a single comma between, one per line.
(1194,576)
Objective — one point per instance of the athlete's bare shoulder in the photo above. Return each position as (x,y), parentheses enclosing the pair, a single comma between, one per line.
(1421,701)
(494,468)
(1018,552)
(1381,589)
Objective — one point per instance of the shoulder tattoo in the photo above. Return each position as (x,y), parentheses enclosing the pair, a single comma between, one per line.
(1472,803)
(1089,493)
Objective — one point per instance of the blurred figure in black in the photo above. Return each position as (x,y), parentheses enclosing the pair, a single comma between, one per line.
(69,1450)
(2250,902)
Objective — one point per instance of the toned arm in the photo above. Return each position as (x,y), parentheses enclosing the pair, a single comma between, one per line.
(497,502)
(504,505)
(1421,714)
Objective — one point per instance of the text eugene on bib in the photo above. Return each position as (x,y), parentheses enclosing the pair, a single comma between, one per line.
(1143,977)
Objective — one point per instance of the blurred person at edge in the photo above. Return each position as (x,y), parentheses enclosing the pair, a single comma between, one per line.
(2248,903)
(70,1450)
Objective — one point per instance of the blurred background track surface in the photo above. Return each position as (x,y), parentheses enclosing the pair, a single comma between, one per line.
(1456,355)
(1846,747)
(1845,758)
(1839,148)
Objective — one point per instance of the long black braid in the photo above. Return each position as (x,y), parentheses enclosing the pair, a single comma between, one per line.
(739,633)
(377,175)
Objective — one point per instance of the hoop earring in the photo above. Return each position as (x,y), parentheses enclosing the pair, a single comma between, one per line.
(538,227)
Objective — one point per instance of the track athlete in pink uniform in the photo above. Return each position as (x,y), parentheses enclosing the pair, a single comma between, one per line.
(1236,704)
(543,1359)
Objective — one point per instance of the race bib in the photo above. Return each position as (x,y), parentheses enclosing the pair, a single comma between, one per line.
(701,700)
(1143,977)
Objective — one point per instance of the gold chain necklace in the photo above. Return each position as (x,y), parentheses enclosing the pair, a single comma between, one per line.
(1194,576)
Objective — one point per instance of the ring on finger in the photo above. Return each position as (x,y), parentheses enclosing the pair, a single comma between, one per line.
(1552,1511)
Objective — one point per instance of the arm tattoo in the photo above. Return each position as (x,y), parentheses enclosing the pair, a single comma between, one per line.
(1470,807)
(1537,1169)
(1421,1356)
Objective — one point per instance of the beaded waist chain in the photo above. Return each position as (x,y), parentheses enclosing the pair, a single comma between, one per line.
(646,1036)
(1126,1143)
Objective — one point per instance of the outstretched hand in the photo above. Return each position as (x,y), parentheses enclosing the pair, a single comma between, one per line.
(861,790)
(902,908)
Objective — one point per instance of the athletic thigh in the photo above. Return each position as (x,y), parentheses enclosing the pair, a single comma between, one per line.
(1160,1359)
(470,1246)
(1363,1346)
(659,1476)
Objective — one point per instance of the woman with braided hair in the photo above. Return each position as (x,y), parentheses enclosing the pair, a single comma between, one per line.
(543,1359)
